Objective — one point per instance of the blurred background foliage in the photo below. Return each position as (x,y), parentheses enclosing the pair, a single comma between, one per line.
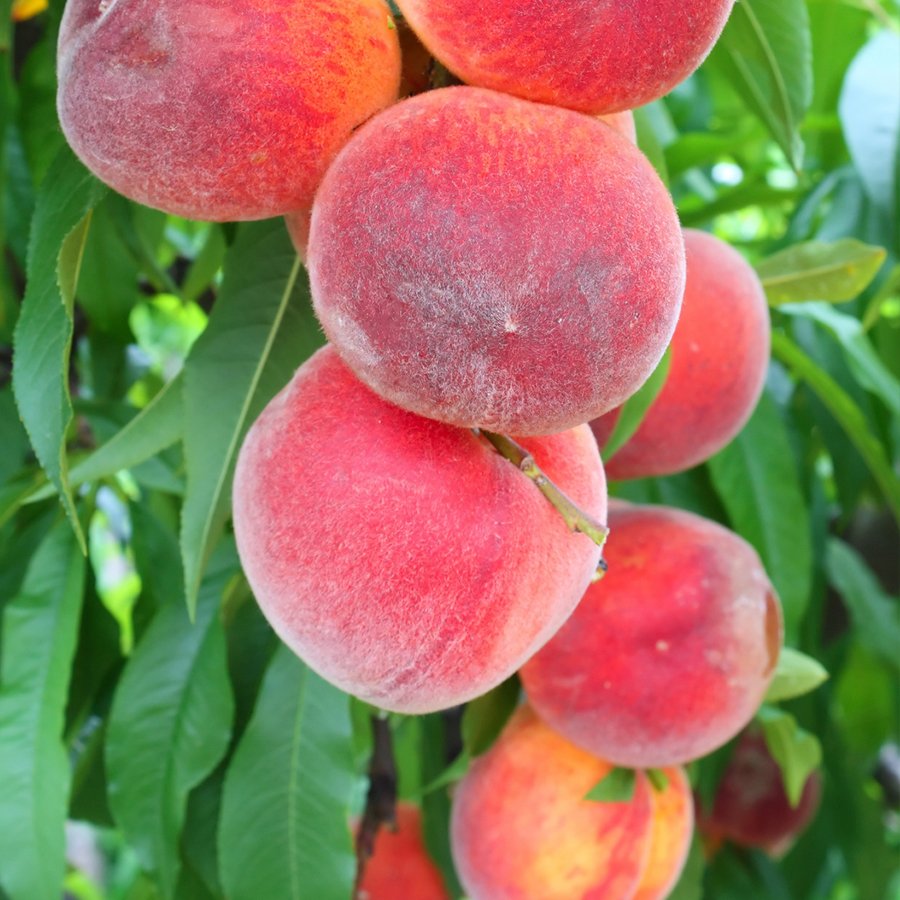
(153,740)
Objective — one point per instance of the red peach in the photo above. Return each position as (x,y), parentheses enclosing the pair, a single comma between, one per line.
(720,352)
(522,829)
(751,807)
(670,836)
(404,560)
(400,865)
(590,56)
(670,654)
(494,263)
(623,122)
(221,109)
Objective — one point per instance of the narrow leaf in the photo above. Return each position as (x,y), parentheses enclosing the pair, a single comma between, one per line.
(797,674)
(870,114)
(485,716)
(260,330)
(756,479)
(766,53)
(284,831)
(797,752)
(40,628)
(43,336)
(867,368)
(169,726)
(617,786)
(846,412)
(875,615)
(633,410)
(816,270)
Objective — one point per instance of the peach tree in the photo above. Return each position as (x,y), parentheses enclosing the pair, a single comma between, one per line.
(157,739)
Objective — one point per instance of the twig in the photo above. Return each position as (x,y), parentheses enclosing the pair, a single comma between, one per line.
(575,517)
(381,800)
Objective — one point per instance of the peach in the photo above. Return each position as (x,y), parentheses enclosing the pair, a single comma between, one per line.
(590,56)
(623,122)
(521,828)
(404,560)
(671,830)
(671,653)
(751,807)
(400,865)
(494,263)
(720,352)
(221,109)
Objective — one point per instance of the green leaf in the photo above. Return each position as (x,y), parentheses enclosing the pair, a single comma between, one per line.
(633,410)
(260,330)
(816,270)
(617,786)
(870,114)
(43,335)
(797,752)
(797,674)
(284,830)
(766,53)
(157,426)
(864,363)
(846,412)
(875,615)
(658,779)
(40,627)
(484,717)
(757,481)
(169,726)
(690,883)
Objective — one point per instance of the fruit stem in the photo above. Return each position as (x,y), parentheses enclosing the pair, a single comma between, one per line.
(575,517)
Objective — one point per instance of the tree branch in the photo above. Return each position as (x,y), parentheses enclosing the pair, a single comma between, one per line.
(575,517)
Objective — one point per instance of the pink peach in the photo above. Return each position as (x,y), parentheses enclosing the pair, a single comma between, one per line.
(405,560)
(494,263)
(221,109)
(670,654)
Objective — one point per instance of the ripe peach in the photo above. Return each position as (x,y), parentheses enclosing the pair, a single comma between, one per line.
(404,560)
(670,836)
(494,263)
(623,122)
(670,654)
(589,56)
(522,829)
(221,109)
(751,807)
(400,865)
(720,352)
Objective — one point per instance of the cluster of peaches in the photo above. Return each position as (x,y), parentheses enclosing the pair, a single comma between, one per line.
(496,257)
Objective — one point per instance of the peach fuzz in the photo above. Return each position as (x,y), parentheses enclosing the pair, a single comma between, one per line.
(494,263)
(671,653)
(221,109)
(404,560)
(521,828)
(720,353)
(623,122)
(751,807)
(593,57)
(400,865)
(671,831)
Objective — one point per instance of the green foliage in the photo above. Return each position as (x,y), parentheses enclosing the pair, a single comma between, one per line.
(146,695)
(617,786)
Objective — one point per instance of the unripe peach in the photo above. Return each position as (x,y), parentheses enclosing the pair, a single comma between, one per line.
(590,56)
(671,653)
(720,352)
(671,831)
(221,109)
(400,865)
(751,807)
(494,263)
(522,829)
(404,560)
